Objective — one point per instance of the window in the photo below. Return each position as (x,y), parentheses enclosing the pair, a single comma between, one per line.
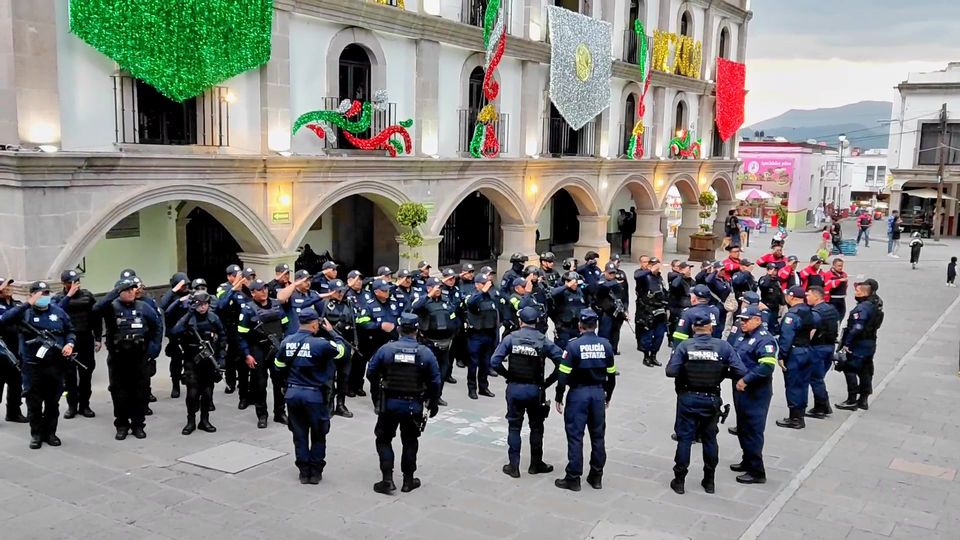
(128,227)
(472,12)
(881,176)
(476,100)
(722,49)
(629,119)
(680,120)
(686,24)
(354,82)
(871,174)
(929,137)
(145,116)
(562,140)
(716,149)
(575,6)
(629,36)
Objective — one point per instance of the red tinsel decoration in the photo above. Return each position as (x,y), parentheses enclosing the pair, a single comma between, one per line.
(381,140)
(355,109)
(491,146)
(319,131)
(731,93)
(490,85)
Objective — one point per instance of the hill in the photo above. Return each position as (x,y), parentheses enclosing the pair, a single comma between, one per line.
(859,121)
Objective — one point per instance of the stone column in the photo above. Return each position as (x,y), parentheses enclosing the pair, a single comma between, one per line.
(662,123)
(520,238)
(429,251)
(275,120)
(593,237)
(705,130)
(427,137)
(689,224)
(531,127)
(34,29)
(265,263)
(8,89)
(709,68)
(648,239)
(742,40)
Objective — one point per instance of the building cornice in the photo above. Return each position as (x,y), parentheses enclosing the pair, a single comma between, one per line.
(929,87)
(725,8)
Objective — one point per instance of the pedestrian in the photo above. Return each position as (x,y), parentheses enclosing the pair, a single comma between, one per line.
(261,326)
(204,344)
(864,221)
(525,352)
(916,244)
(699,365)
(859,344)
(43,362)
(404,383)
(589,369)
(824,238)
(826,322)
(836,233)
(78,303)
(795,359)
(10,375)
(894,228)
(819,216)
(310,363)
(731,230)
(952,272)
(622,229)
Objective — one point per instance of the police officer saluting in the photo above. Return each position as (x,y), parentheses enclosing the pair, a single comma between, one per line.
(757,349)
(43,362)
(795,357)
(699,304)
(860,344)
(261,327)
(204,343)
(589,369)
(88,329)
(378,322)
(568,302)
(134,333)
(340,313)
(404,381)
(699,365)
(9,366)
(174,304)
(483,310)
(525,351)
(438,324)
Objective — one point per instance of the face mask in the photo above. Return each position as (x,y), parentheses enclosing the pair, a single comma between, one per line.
(43,302)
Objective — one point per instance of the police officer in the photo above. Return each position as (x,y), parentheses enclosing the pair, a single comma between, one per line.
(141,295)
(9,372)
(859,342)
(589,369)
(355,287)
(174,304)
(404,381)
(539,296)
(758,350)
(525,351)
(42,364)
(200,284)
(517,261)
(204,342)
(281,279)
(454,289)
(795,357)
(231,296)
(743,280)
(699,304)
(483,313)
(609,304)
(550,275)
(699,365)
(591,275)
(297,297)
(439,322)
(720,289)
(134,333)
(341,313)
(403,292)
(384,274)
(88,328)
(378,324)
(771,295)
(678,296)
(568,302)
(521,289)
(309,363)
(826,322)
(621,278)
(320,281)
(423,274)
(651,314)
(261,326)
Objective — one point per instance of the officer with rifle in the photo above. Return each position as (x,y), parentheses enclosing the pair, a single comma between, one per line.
(9,356)
(340,312)
(609,304)
(204,342)
(568,301)
(438,325)
(261,326)
(525,351)
(651,315)
(46,344)
(550,276)
(78,303)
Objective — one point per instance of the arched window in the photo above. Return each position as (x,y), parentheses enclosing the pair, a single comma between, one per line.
(637,12)
(717,149)
(629,119)
(686,24)
(354,83)
(680,120)
(724,46)
(475,96)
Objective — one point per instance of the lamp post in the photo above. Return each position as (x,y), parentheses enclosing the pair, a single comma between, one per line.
(840,145)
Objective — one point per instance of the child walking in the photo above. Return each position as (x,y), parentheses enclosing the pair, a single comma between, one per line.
(952,272)
(915,245)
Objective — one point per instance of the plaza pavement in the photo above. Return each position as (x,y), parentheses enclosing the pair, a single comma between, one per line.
(889,472)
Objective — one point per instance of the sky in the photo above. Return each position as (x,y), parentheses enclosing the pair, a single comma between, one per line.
(807,54)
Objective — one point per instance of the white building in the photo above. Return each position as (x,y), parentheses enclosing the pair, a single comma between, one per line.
(866,172)
(143,182)
(913,155)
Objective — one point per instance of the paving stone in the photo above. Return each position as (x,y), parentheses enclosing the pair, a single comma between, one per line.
(232,457)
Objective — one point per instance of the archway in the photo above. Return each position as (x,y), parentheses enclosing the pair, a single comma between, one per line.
(634,225)
(567,219)
(681,205)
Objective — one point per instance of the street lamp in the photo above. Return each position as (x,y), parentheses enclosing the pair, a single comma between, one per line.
(840,145)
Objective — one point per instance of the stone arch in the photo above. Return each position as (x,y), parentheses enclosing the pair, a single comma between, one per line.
(245,225)
(387,196)
(723,185)
(687,8)
(680,98)
(369,43)
(583,193)
(644,195)
(687,187)
(724,26)
(475,60)
(505,199)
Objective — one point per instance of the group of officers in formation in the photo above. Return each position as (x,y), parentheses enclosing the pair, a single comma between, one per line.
(315,337)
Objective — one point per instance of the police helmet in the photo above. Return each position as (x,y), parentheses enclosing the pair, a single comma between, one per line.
(199,284)
(548,257)
(518,257)
(571,276)
(177,278)
(200,297)
(531,269)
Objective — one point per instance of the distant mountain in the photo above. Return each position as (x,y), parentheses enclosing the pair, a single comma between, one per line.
(857,120)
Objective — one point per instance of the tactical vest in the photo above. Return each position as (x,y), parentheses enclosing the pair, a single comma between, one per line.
(436,322)
(872,324)
(525,362)
(826,331)
(572,305)
(483,316)
(840,291)
(130,330)
(703,371)
(802,336)
(815,280)
(79,311)
(336,313)
(268,321)
(401,378)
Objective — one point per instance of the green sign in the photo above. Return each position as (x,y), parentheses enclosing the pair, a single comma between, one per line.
(280,218)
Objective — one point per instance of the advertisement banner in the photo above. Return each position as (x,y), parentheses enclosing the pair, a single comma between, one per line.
(770,174)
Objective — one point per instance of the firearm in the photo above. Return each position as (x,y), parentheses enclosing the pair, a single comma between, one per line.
(272,339)
(206,353)
(8,356)
(724,412)
(426,415)
(47,340)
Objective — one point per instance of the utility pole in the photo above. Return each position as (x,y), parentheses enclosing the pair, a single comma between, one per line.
(942,161)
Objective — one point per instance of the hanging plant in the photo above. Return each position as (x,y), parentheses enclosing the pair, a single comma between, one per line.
(411,215)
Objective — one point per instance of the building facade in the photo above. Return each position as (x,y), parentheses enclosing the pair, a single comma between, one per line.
(868,176)
(127,178)
(913,157)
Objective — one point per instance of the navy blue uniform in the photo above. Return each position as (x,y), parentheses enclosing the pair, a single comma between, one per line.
(200,375)
(309,363)
(795,352)
(685,324)
(826,320)
(9,375)
(373,314)
(700,364)
(343,316)
(483,311)
(527,381)
(651,313)
(260,328)
(88,329)
(758,351)
(771,295)
(679,300)
(721,290)
(42,368)
(229,304)
(298,302)
(439,323)
(567,307)
(403,377)
(860,338)
(588,368)
(610,305)
(591,275)
(134,333)
(174,305)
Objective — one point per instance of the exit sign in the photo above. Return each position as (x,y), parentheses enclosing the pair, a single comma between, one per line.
(280,218)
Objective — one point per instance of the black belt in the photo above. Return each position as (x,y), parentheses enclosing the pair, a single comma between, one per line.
(698,393)
(304,387)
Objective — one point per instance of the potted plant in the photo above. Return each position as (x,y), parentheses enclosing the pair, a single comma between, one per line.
(411,216)
(703,242)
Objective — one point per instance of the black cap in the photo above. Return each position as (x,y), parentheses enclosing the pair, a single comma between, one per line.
(409,320)
(308,315)
(610,267)
(70,276)
(384,271)
(282,267)
(518,282)
(481,279)
(403,274)
(751,297)
(197,283)
(682,264)
(233,269)
(328,265)
(717,265)
(548,256)
(746,262)
(591,255)
(870,282)
(702,318)
(200,297)
(792,259)
(354,274)
(615,257)
(749,313)
(380,284)
(301,274)
(449,273)
(467,267)
(529,315)
(177,278)
(654,260)
(137,281)
(701,291)
(797,292)
(817,258)
(258,284)
(124,285)
(588,315)
(249,272)
(128,273)
(423,264)
(488,270)
(732,247)
(432,282)
(336,285)
(39,286)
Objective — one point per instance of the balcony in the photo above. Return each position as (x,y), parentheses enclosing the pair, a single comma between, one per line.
(630,45)
(144,116)
(468,123)
(560,140)
(472,12)
(379,120)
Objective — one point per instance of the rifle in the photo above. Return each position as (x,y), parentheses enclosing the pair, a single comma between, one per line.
(206,352)
(47,340)
(8,356)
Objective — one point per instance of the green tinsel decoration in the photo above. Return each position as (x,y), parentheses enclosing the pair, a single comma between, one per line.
(337,119)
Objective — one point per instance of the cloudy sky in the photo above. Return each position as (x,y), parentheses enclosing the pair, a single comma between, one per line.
(805,54)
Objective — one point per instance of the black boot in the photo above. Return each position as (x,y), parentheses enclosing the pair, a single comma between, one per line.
(677,485)
(573,484)
(262,422)
(14,415)
(794,421)
(175,390)
(304,476)
(121,433)
(850,404)
(863,403)
(205,424)
(738,467)
(646,359)
(826,408)
(653,360)
(70,414)
(595,479)
(35,441)
(817,411)
(342,409)
(409,483)
(138,432)
(751,478)
(385,486)
(280,418)
(708,484)
(539,467)
(472,394)
(87,412)
(191,425)
(511,470)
